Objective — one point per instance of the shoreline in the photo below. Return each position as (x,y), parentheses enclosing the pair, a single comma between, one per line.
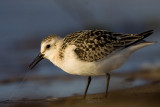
(147,95)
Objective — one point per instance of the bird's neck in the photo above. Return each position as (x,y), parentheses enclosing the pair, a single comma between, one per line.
(55,58)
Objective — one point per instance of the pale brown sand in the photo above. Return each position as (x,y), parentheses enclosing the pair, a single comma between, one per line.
(143,96)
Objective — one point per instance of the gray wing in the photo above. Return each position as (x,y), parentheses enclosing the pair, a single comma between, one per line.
(93,45)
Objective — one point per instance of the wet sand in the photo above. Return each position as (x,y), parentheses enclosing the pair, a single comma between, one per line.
(147,95)
(143,96)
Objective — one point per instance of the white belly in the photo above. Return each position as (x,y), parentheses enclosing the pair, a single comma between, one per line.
(71,64)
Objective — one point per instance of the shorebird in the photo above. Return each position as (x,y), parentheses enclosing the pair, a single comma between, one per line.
(91,52)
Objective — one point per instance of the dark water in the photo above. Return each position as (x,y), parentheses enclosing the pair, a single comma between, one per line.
(63,88)
(24,23)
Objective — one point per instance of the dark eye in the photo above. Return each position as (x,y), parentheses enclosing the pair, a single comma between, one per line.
(48,46)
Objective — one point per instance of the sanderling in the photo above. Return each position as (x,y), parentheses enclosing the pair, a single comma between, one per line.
(91,52)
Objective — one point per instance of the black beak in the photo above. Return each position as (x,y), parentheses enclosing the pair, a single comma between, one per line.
(36,60)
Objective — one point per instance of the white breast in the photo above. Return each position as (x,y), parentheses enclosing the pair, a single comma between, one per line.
(73,65)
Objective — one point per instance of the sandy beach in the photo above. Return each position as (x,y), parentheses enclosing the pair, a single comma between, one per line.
(143,96)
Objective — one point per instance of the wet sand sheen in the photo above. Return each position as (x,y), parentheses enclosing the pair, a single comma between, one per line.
(147,95)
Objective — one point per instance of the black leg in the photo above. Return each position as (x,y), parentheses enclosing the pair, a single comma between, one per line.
(89,80)
(107,85)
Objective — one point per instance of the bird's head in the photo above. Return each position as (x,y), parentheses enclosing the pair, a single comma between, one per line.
(48,46)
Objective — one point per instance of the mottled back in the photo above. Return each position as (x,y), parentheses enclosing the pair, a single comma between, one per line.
(93,45)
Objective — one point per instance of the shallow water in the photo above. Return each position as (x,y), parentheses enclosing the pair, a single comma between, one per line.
(62,88)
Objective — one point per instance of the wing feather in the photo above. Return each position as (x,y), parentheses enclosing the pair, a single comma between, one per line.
(93,45)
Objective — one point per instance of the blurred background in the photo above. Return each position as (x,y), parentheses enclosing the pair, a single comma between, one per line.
(24,23)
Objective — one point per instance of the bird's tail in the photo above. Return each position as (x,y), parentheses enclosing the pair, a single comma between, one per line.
(140,43)
(145,34)
(136,38)
(133,48)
